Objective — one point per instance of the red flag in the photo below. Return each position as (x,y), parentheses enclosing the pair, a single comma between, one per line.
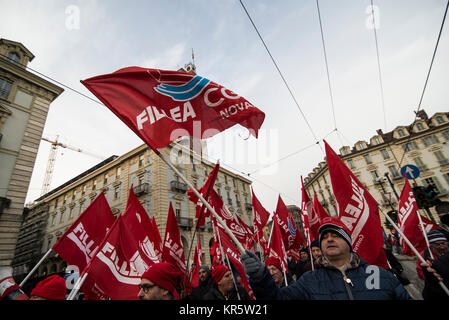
(286,223)
(408,221)
(232,253)
(138,220)
(197,262)
(201,211)
(260,218)
(428,224)
(173,249)
(116,270)
(277,248)
(78,244)
(161,106)
(157,238)
(249,233)
(319,209)
(357,210)
(310,218)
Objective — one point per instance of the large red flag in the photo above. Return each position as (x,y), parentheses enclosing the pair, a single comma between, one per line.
(138,220)
(201,211)
(197,262)
(277,248)
(428,224)
(260,218)
(116,270)
(319,209)
(78,244)
(161,106)
(310,218)
(157,238)
(357,210)
(408,221)
(173,249)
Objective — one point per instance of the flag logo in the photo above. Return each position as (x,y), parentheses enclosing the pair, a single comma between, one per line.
(185,91)
(291,226)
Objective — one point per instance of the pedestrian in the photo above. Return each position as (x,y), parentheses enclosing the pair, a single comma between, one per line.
(292,266)
(275,268)
(51,288)
(316,253)
(439,247)
(160,282)
(205,284)
(223,288)
(304,260)
(395,266)
(342,274)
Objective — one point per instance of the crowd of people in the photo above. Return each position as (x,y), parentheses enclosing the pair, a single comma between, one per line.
(333,271)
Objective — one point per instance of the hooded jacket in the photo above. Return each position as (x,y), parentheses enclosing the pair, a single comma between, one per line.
(367,282)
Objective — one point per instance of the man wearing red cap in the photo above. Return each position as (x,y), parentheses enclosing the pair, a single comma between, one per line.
(51,288)
(160,282)
(223,288)
(275,269)
(342,274)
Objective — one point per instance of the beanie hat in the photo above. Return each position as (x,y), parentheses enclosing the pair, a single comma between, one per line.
(436,235)
(205,267)
(165,275)
(218,272)
(315,243)
(273,261)
(335,225)
(51,288)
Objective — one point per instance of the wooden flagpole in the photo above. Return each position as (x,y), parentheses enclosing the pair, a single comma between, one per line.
(418,255)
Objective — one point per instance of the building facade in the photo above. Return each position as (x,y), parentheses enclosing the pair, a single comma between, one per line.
(24,103)
(154,183)
(424,143)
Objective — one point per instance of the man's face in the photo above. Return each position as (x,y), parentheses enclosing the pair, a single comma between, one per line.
(334,246)
(226,283)
(203,274)
(303,256)
(316,252)
(150,291)
(441,247)
(276,274)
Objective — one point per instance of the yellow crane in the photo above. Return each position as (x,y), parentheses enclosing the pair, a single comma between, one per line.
(52,158)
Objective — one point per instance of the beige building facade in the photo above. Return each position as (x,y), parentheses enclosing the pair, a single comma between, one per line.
(154,183)
(25,99)
(425,144)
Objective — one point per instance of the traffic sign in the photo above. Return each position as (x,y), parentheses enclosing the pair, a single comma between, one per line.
(411,171)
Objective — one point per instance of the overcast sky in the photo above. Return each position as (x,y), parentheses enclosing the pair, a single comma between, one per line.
(74,40)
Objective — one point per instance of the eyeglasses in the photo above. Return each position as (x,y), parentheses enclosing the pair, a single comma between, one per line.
(146,287)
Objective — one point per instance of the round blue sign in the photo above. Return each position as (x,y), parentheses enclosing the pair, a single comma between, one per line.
(411,171)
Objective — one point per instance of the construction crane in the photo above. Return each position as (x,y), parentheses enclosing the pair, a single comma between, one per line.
(52,159)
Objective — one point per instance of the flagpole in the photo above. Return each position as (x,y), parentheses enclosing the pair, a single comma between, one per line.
(198,194)
(285,278)
(271,233)
(418,255)
(35,267)
(424,234)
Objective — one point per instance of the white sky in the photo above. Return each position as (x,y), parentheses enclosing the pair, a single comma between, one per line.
(161,34)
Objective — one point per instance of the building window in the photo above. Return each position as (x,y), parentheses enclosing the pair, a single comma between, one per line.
(430,140)
(440,120)
(13,57)
(116,192)
(178,209)
(367,159)
(118,172)
(141,160)
(377,140)
(361,146)
(105,181)
(374,174)
(446,176)
(5,88)
(94,185)
(385,154)
(351,164)
(394,172)
(446,134)
(401,133)
(420,164)
(419,126)
(441,157)
(432,181)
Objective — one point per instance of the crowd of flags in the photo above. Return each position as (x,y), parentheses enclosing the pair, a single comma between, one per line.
(113,252)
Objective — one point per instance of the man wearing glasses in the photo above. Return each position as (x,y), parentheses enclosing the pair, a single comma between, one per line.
(160,282)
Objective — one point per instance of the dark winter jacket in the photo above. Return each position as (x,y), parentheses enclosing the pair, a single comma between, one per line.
(432,289)
(215,294)
(199,292)
(327,283)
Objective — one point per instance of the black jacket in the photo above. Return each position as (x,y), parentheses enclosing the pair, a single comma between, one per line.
(215,294)
(432,290)
(203,288)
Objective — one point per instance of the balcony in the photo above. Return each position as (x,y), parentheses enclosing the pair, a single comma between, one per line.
(178,186)
(186,223)
(141,189)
